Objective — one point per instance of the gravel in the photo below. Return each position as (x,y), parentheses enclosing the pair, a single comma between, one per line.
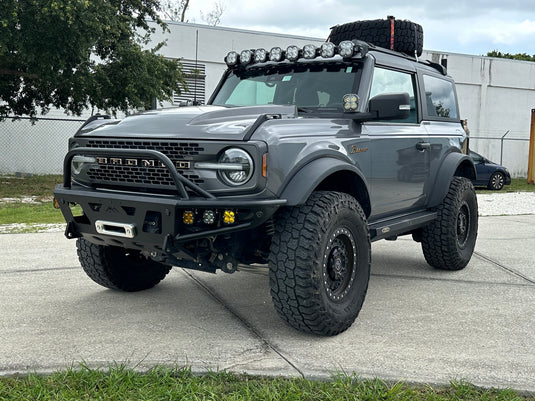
(506,203)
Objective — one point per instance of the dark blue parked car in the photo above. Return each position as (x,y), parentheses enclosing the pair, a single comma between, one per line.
(492,175)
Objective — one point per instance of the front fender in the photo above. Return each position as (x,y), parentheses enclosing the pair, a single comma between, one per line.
(454,164)
(298,189)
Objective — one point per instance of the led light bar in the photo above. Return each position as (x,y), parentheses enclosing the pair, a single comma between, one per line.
(346,49)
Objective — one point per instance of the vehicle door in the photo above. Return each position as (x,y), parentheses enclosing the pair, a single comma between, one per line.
(442,121)
(399,149)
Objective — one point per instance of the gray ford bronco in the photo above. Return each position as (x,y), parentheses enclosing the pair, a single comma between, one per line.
(300,159)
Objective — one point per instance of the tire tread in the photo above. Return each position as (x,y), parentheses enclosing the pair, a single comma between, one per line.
(295,289)
(105,266)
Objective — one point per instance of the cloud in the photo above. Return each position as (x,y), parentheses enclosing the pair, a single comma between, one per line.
(463,26)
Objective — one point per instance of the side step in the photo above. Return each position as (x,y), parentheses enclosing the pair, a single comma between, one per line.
(392,227)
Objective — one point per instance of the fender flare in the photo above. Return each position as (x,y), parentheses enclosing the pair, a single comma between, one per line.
(454,164)
(299,188)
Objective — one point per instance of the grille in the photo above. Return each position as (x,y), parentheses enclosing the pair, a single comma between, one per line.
(154,177)
(170,149)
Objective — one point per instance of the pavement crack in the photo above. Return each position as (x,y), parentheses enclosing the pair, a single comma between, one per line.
(37,270)
(242,319)
(507,269)
(445,279)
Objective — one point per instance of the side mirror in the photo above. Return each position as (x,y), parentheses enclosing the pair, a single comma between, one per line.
(391,106)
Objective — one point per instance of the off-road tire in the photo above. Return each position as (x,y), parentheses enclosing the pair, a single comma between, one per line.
(118,268)
(496,181)
(408,36)
(448,242)
(319,264)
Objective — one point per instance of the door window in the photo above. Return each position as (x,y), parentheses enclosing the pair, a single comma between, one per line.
(389,81)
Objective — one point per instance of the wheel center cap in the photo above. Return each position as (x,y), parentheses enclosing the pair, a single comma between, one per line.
(338,264)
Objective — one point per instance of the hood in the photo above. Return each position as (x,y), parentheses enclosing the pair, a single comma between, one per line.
(196,122)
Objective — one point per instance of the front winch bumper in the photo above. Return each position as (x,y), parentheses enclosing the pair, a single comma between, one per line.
(154,222)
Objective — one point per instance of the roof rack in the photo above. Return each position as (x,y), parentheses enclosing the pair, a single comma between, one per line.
(439,67)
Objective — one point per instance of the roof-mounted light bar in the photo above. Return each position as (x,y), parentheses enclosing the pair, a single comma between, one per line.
(346,49)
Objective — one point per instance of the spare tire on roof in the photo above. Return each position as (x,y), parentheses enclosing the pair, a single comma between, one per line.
(408,36)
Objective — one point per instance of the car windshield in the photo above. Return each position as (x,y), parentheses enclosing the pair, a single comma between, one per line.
(312,89)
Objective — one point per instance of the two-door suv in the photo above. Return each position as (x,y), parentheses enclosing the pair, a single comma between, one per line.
(300,159)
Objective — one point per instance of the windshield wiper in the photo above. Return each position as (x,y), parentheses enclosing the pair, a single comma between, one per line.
(318,109)
(307,109)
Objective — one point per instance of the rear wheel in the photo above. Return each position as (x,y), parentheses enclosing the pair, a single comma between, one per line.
(118,268)
(496,181)
(448,242)
(320,263)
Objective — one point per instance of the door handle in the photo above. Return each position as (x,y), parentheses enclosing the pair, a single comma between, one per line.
(423,146)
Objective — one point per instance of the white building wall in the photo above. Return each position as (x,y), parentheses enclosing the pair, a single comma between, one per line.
(495,95)
(210,45)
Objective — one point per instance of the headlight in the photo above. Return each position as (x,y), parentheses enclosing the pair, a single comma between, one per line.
(235,166)
(78,163)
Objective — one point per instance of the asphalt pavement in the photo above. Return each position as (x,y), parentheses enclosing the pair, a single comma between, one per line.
(417,324)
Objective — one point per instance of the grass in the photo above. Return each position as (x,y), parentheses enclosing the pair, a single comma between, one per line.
(121,383)
(28,203)
(39,186)
(517,185)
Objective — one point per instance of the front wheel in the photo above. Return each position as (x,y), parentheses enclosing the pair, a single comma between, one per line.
(118,268)
(448,242)
(497,181)
(319,265)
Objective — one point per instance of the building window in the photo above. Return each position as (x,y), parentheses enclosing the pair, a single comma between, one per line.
(195,77)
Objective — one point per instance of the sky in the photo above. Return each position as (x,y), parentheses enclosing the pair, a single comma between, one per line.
(470,27)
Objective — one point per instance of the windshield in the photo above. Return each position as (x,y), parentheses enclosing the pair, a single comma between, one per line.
(315,88)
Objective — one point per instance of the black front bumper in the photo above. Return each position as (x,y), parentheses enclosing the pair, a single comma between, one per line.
(154,222)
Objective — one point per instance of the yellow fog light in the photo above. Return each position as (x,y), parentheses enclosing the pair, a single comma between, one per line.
(55,203)
(229,217)
(187,217)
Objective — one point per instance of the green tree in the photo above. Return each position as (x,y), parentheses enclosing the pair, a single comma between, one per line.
(76,54)
(517,56)
(175,10)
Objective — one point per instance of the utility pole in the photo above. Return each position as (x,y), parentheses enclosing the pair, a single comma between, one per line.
(531,157)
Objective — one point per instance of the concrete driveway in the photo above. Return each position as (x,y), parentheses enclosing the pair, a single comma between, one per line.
(417,324)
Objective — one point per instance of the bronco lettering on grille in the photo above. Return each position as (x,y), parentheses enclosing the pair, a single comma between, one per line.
(117,161)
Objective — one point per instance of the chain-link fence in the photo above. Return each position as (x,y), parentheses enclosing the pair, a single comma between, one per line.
(505,148)
(35,148)
(39,147)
